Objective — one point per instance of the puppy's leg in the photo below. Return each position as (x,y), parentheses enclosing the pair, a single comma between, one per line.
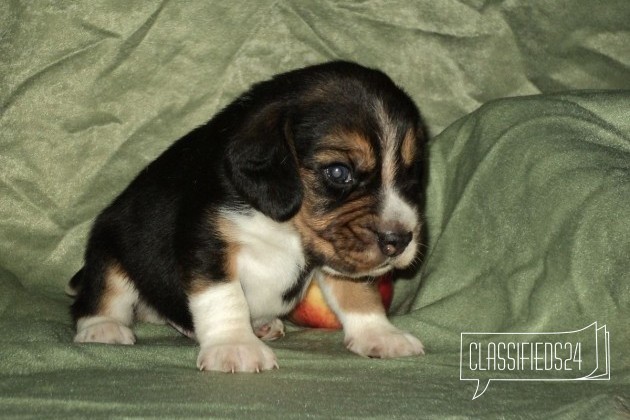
(104,307)
(224,331)
(367,330)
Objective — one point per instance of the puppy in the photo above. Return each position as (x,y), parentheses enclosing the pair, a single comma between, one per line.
(310,176)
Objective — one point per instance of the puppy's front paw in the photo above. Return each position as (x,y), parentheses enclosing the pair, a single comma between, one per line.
(384,343)
(103,330)
(251,355)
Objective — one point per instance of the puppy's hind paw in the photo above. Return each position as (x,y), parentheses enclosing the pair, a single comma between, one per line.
(270,331)
(103,330)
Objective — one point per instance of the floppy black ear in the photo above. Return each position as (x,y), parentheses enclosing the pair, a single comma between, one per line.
(262,165)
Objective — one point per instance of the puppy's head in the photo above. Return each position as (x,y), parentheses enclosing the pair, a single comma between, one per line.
(335,149)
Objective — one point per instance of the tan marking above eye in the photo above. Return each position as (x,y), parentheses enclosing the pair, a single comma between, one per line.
(408,148)
(347,147)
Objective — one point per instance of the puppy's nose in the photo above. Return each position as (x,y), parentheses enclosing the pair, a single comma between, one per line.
(393,243)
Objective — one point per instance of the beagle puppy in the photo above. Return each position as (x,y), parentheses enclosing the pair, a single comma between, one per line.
(310,176)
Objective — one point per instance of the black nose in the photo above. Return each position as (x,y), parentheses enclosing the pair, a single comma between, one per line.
(393,243)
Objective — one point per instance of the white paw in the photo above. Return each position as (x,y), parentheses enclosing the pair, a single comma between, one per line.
(103,330)
(270,330)
(384,343)
(250,355)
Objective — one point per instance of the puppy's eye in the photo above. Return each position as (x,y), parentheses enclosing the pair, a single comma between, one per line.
(339,174)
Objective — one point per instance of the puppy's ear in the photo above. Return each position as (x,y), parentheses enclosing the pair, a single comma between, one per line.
(262,165)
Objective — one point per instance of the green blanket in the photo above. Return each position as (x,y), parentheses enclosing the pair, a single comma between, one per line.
(527,203)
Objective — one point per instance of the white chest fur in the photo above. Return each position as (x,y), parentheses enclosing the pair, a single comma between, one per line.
(269,261)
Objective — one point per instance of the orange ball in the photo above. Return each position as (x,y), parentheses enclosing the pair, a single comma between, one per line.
(314,312)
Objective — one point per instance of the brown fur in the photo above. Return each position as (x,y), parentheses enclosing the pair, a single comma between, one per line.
(408,148)
(198,285)
(227,231)
(356,149)
(355,296)
(116,284)
(345,235)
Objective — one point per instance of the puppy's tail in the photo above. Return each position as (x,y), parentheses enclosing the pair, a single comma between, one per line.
(74,285)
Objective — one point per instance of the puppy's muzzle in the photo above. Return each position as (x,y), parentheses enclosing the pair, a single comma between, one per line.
(393,243)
